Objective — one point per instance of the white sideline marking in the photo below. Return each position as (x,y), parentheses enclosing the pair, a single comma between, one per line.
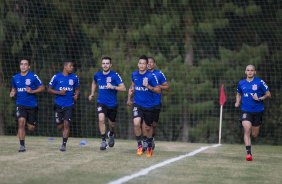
(166,162)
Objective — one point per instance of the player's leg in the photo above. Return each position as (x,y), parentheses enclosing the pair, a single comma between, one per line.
(21,115)
(154,125)
(247,119)
(101,111)
(147,129)
(247,125)
(66,117)
(111,114)
(257,122)
(137,115)
(32,119)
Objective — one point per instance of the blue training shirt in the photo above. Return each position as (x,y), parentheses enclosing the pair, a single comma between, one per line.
(106,96)
(247,90)
(142,95)
(20,83)
(69,83)
(161,79)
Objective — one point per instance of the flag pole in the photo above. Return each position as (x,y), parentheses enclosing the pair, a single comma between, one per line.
(220,125)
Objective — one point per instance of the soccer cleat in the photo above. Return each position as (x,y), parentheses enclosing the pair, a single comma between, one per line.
(139,150)
(22,149)
(111,141)
(103,145)
(145,146)
(149,152)
(63,148)
(249,157)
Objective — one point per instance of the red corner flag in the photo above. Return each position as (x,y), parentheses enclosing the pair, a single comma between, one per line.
(222,99)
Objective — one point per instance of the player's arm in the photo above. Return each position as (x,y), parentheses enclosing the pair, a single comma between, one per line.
(40,88)
(13,92)
(164,86)
(120,87)
(238,99)
(130,94)
(265,96)
(76,93)
(93,88)
(156,89)
(55,92)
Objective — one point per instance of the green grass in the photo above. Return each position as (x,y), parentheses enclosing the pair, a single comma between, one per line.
(44,163)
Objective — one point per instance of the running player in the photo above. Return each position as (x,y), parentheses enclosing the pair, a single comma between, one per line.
(109,83)
(144,86)
(65,87)
(164,86)
(252,91)
(25,85)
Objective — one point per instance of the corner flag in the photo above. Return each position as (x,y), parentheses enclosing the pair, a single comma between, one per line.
(222,99)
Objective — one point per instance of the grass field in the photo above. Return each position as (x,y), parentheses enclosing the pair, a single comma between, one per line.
(44,163)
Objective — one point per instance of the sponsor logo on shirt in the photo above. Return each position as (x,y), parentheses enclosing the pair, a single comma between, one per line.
(66,88)
(141,88)
(21,89)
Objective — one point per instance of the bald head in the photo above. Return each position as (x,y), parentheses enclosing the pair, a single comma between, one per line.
(250,67)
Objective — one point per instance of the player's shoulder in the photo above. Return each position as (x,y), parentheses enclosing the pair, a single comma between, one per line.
(73,75)
(112,72)
(17,75)
(136,72)
(57,75)
(242,81)
(98,73)
(257,79)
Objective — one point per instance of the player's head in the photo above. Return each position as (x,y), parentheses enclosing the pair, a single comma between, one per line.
(68,66)
(250,71)
(24,65)
(106,63)
(142,63)
(151,63)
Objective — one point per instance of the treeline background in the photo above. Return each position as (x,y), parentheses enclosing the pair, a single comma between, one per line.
(198,44)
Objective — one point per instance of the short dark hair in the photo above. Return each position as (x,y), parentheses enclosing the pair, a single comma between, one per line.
(25,58)
(150,57)
(67,62)
(144,57)
(107,58)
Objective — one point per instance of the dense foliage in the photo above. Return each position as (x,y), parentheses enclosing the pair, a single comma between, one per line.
(198,45)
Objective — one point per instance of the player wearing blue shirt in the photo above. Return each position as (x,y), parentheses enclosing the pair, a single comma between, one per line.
(65,87)
(24,87)
(144,86)
(252,91)
(108,83)
(164,86)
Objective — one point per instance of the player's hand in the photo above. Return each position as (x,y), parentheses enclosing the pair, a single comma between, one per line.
(255,97)
(29,90)
(109,86)
(237,104)
(129,102)
(131,91)
(62,92)
(13,93)
(75,97)
(90,97)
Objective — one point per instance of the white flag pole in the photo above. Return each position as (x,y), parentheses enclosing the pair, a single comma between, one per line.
(220,124)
